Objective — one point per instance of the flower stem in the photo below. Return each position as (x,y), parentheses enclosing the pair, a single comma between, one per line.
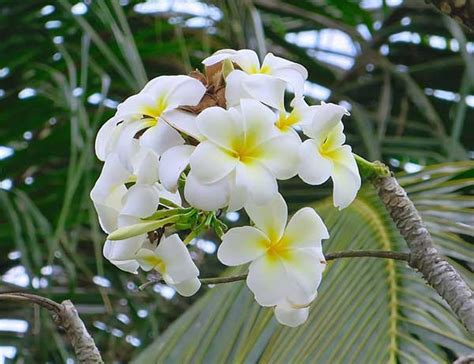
(371,170)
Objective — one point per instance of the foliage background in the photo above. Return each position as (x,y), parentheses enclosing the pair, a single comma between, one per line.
(404,70)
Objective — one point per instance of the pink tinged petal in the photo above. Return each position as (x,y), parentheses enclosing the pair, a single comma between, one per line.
(266,88)
(183,121)
(257,180)
(206,197)
(185,91)
(172,163)
(258,122)
(268,280)
(219,56)
(270,217)
(147,168)
(140,201)
(290,316)
(305,229)
(160,138)
(345,177)
(222,127)
(305,271)
(188,287)
(179,265)
(281,155)
(313,169)
(241,245)
(211,163)
(325,118)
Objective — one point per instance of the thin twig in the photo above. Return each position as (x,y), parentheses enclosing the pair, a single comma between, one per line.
(328,257)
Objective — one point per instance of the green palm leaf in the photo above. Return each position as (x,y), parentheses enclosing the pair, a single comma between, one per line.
(368,310)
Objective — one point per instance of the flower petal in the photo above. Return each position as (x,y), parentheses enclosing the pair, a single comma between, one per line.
(268,280)
(147,259)
(188,287)
(304,269)
(345,176)
(305,229)
(281,155)
(179,265)
(210,163)
(266,88)
(258,122)
(140,201)
(108,209)
(241,245)
(107,136)
(269,217)
(219,56)
(183,121)
(172,163)
(222,127)
(113,175)
(325,118)
(119,250)
(147,167)
(257,180)
(206,197)
(141,104)
(160,138)
(234,90)
(313,168)
(291,316)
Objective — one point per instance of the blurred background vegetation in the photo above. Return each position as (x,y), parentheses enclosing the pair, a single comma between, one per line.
(406,73)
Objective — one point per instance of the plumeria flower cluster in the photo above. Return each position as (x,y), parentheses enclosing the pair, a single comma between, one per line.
(186,148)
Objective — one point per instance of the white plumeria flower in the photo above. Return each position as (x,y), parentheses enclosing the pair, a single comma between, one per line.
(243,148)
(138,202)
(324,155)
(286,263)
(109,188)
(155,110)
(262,82)
(172,260)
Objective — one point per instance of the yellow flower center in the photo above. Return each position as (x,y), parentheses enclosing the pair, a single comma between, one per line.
(263,70)
(278,249)
(157,109)
(285,121)
(157,263)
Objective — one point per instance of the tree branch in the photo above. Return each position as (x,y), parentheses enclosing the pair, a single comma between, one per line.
(423,255)
(460,10)
(328,257)
(64,315)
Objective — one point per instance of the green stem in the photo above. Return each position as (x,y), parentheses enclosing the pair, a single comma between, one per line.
(371,170)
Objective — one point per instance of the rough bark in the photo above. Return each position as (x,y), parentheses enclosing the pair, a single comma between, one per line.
(65,316)
(76,331)
(423,255)
(460,10)
(469,359)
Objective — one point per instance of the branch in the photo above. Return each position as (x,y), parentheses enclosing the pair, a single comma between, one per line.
(328,257)
(423,255)
(460,10)
(64,315)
